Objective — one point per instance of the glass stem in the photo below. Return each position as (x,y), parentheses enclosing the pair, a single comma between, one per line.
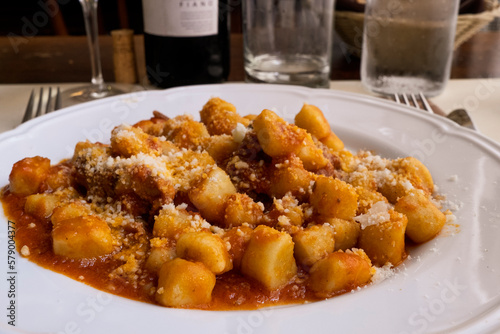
(90,17)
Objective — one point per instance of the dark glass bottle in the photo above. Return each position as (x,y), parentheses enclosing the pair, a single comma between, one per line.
(186,41)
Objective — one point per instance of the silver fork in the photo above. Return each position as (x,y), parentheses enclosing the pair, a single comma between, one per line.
(419,101)
(45,103)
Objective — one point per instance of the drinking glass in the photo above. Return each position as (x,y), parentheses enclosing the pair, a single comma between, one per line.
(408,45)
(97,88)
(288,41)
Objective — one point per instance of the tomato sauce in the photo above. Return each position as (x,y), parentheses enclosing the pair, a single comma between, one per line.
(232,291)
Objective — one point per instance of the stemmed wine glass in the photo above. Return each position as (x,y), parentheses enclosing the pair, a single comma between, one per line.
(97,88)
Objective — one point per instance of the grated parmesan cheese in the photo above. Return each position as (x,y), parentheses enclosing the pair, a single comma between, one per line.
(25,251)
(239,133)
(377,214)
(283,220)
(450,218)
(383,273)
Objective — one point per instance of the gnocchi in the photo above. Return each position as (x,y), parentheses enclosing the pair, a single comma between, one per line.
(229,212)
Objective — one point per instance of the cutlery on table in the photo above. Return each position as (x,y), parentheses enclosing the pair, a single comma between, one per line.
(419,101)
(45,103)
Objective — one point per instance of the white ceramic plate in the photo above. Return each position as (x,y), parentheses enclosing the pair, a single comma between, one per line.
(450,284)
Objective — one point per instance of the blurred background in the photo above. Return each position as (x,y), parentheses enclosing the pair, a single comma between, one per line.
(37,47)
(118,14)
(113,14)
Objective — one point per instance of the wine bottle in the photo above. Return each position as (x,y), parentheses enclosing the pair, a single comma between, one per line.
(186,41)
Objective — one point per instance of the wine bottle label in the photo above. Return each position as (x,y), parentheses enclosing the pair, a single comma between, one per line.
(181,18)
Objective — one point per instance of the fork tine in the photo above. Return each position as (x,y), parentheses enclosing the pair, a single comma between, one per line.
(57,104)
(396,98)
(49,100)
(405,98)
(414,100)
(426,104)
(43,105)
(40,100)
(28,114)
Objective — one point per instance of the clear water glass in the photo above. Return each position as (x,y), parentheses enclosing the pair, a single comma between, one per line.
(408,45)
(288,41)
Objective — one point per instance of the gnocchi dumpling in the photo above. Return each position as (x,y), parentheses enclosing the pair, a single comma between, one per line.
(268,258)
(183,283)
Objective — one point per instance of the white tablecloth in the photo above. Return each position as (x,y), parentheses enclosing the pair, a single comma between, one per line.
(481,98)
